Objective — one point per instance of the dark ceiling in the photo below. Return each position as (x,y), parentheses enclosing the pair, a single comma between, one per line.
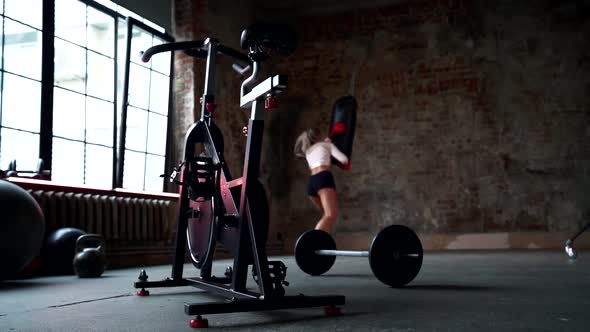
(303,7)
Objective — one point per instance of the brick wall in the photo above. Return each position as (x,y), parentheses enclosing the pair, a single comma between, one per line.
(473,115)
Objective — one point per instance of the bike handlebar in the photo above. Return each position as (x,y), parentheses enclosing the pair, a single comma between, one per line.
(192,45)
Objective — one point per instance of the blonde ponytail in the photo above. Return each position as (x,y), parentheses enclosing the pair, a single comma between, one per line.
(303,142)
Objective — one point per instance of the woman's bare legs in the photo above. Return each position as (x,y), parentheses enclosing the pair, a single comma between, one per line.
(329,204)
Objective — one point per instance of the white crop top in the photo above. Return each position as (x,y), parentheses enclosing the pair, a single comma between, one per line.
(320,154)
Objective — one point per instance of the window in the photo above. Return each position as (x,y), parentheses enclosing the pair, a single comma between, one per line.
(84,95)
(87,83)
(145,113)
(20,82)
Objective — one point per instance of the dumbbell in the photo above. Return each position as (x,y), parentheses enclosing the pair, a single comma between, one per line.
(11,171)
(39,173)
(395,254)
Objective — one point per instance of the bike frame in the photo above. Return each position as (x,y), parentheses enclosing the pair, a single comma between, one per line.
(258,98)
(200,133)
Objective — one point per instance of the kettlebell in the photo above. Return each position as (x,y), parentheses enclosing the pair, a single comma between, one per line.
(90,259)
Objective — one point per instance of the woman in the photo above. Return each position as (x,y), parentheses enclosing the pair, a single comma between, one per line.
(321,187)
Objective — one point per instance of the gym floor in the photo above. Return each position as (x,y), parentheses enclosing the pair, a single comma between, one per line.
(454,291)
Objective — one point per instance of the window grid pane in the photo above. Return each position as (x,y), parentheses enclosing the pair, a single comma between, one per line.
(21,146)
(2,45)
(70,66)
(137,125)
(101,32)
(68,114)
(22,49)
(139,91)
(26,11)
(153,169)
(156,140)
(100,76)
(99,166)
(161,62)
(99,122)
(67,161)
(134,170)
(159,87)
(21,103)
(70,21)
(140,41)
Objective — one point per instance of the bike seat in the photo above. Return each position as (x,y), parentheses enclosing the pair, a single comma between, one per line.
(279,38)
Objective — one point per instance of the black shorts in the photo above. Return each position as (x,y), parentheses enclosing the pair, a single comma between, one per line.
(321,180)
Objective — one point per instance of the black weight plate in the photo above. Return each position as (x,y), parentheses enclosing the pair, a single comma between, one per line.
(396,255)
(305,248)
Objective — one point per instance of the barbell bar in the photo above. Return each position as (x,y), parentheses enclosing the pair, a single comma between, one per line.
(349,253)
(395,255)
(352,253)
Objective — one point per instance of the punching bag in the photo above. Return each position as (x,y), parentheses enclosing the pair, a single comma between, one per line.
(344,118)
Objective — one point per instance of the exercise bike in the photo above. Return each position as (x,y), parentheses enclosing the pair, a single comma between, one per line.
(214,207)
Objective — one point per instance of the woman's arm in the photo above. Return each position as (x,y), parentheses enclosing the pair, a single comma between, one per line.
(336,153)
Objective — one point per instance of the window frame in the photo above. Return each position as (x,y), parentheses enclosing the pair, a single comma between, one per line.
(131,22)
(47,87)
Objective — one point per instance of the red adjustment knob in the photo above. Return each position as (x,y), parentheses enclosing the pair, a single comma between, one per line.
(210,107)
(143,292)
(199,322)
(271,103)
(245,131)
(332,311)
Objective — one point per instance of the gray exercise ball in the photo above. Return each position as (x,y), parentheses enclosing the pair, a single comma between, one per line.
(22,227)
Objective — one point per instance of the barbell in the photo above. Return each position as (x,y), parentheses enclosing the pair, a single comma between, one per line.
(395,254)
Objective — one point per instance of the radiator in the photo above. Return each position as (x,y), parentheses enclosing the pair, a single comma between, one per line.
(117,219)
